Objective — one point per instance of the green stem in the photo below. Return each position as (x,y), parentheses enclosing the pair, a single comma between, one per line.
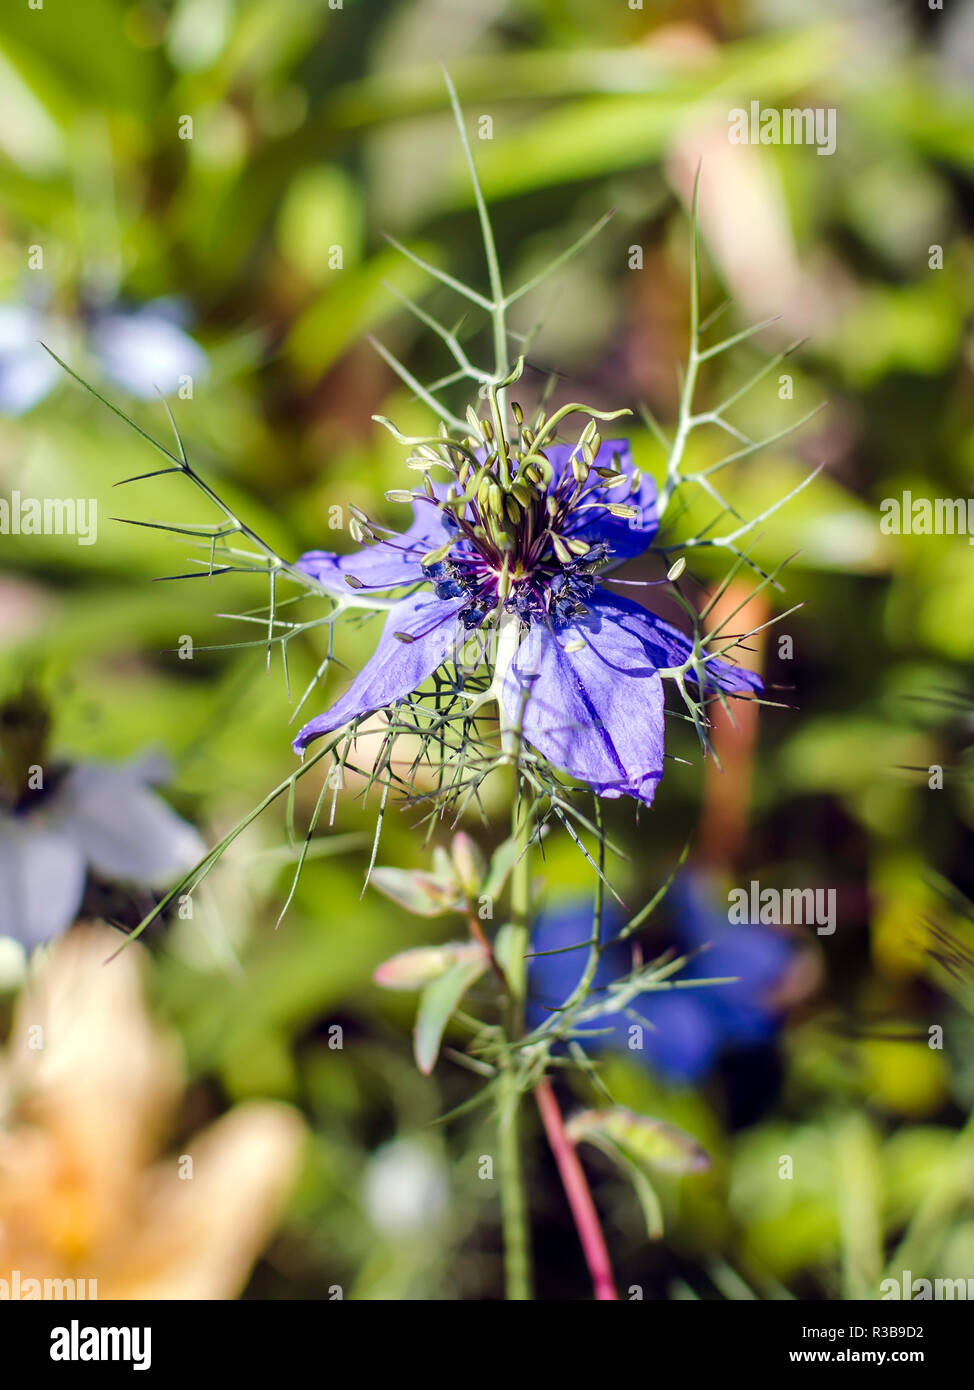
(498,308)
(517,1251)
(514,1216)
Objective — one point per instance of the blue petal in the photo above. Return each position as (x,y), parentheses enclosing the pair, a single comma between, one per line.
(42,870)
(27,372)
(684,1038)
(565,930)
(688,1029)
(389,564)
(667,646)
(625,537)
(596,713)
(397,668)
(145,351)
(756,957)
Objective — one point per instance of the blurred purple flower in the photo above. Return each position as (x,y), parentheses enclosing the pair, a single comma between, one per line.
(585,671)
(689,1028)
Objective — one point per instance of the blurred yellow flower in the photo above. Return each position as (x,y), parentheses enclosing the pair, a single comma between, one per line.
(88,1090)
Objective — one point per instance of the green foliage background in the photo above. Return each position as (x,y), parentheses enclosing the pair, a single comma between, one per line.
(316,127)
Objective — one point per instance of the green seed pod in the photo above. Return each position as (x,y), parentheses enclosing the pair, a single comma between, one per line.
(561,549)
(503,539)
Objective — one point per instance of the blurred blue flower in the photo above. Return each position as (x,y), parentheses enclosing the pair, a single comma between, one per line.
(141,349)
(689,1028)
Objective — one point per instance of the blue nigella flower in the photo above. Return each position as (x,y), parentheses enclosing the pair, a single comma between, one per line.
(585,666)
(689,1028)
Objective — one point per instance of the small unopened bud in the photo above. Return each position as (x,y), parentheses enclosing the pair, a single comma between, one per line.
(419,967)
(469,863)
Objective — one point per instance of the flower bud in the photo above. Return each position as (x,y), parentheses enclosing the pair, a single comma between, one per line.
(654,1142)
(415,969)
(469,863)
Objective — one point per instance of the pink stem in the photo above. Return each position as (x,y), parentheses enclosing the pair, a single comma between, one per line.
(577,1191)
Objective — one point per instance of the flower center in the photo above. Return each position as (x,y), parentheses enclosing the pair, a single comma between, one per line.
(525,559)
